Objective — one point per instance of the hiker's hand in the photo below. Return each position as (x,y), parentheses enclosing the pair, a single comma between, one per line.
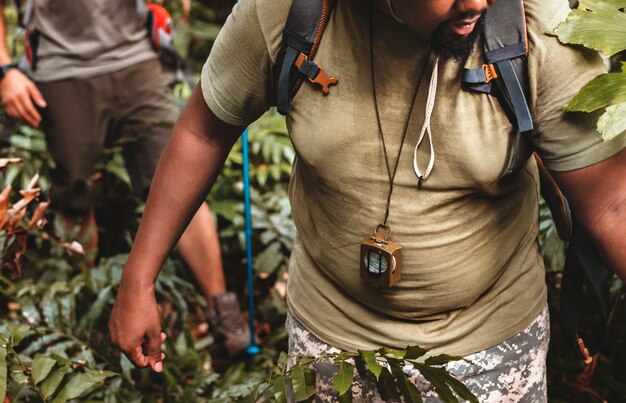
(135,326)
(19,96)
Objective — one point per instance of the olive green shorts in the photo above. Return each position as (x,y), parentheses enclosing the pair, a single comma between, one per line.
(85,118)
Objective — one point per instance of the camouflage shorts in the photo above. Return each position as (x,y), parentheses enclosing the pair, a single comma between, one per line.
(512,371)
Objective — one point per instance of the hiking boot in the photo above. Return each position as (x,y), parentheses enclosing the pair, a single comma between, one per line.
(228,325)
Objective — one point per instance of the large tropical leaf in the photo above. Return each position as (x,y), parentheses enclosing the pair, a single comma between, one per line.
(613,122)
(596,24)
(604,90)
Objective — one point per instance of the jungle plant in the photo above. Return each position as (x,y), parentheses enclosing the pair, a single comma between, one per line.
(600,25)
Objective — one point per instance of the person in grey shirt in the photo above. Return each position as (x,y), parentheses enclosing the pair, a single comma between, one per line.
(97,79)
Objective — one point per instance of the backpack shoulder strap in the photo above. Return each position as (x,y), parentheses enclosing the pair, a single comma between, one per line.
(505,50)
(505,53)
(303,32)
(25,16)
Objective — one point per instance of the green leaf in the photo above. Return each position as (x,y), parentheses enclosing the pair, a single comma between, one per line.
(370,359)
(408,390)
(81,383)
(437,377)
(442,380)
(304,361)
(460,389)
(441,359)
(343,356)
(95,310)
(596,24)
(18,332)
(18,375)
(346,397)
(386,385)
(52,382)
(303,383)
(414,352)
(283,358)
(279,388)
(392,352)
(42,365)
(613,121)
(342,380)
(269,260)
(3,369)
(604,90)
(126,367)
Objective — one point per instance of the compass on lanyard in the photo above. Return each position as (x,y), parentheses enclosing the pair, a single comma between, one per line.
(381,258)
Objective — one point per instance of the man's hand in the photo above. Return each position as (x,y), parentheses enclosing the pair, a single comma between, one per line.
(135,327)
(18,94)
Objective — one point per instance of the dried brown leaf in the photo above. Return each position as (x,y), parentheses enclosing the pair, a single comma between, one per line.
(28,195)
(95,177)
(33,182)
(4,204)
(74,247)
(38,217)
(281,287)
(14,264)
(14,219)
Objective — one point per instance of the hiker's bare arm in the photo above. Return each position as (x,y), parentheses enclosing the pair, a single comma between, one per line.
(19,93)
(187,169)
(597,195)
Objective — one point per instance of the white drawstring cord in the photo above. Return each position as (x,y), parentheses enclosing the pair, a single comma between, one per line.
(430,104)
(395,17)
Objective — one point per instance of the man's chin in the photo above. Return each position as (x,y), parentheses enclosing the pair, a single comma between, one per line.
(456,41)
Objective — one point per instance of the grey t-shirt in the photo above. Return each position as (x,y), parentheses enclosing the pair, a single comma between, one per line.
(84,38)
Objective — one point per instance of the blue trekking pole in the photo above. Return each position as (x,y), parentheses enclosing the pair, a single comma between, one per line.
(253,348)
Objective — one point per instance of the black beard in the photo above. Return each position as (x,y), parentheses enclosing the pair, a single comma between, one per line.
(459,49)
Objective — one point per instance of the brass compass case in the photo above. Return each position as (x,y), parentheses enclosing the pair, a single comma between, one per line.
(381,261)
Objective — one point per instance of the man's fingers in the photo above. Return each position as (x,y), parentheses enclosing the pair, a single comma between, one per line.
(31,116)
(18,111)
(163,337)
(136,356)
(153,343)
(37,96)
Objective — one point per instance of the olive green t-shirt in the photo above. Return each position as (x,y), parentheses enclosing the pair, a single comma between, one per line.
(85,38)
(472,274)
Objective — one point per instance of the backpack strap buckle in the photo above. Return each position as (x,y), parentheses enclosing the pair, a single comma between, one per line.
(316,74)
(490,72)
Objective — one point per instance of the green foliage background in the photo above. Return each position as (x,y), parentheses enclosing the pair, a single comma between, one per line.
(54,342)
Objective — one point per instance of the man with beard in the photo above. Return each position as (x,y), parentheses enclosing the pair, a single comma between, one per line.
(398,152)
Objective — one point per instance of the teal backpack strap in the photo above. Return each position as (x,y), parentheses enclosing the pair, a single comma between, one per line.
(303,31)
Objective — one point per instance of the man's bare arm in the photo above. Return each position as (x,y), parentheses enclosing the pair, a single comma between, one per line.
(186,171)
(597,195)
(19,93)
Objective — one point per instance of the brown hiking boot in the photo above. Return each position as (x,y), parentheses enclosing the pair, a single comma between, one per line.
(228,325)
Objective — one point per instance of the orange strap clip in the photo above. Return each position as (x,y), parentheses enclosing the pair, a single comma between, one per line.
(490,72)
(322,78)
